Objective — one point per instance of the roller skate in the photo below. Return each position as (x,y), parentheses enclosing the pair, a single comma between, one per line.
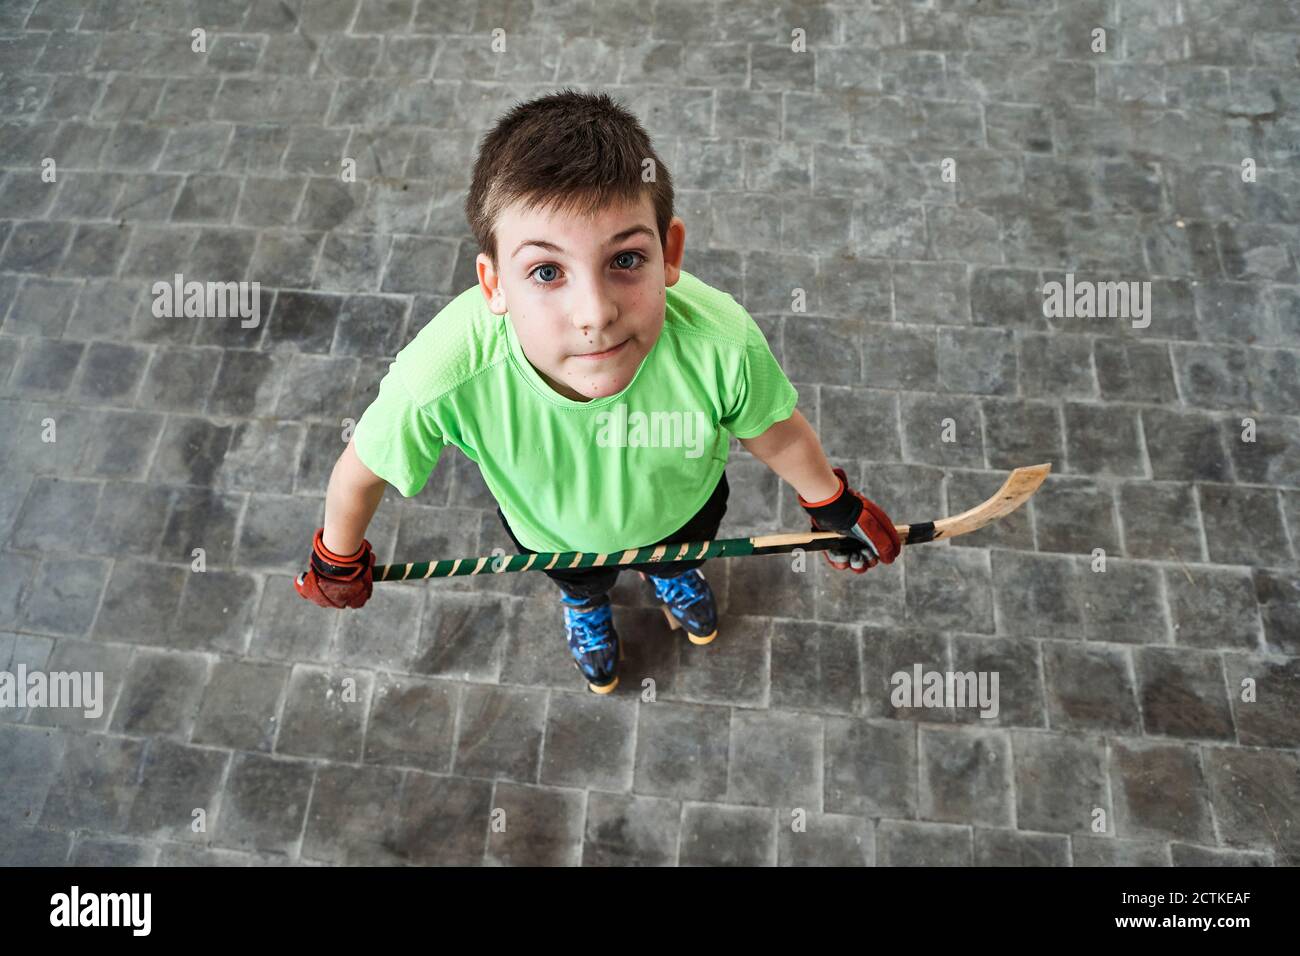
(688,603)
(593,642)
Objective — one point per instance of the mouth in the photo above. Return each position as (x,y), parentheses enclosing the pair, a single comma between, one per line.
(608,353)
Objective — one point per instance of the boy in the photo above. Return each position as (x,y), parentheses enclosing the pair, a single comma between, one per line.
(582,321)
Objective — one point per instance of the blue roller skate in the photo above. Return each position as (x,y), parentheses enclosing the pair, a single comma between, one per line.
(688,603)
(593,642)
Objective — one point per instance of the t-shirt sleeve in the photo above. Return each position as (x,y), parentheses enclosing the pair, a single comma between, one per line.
(763,395)
(396,438)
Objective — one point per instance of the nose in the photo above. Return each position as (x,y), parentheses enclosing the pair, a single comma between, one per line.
(594,310)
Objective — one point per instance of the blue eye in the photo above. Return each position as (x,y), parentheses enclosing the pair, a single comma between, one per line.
(638,261)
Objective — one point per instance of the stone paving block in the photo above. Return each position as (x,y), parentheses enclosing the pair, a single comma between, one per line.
(1105,851)
(200,518)
(1012,848)
(1076,516)
(178,379)
(1201,856)
(1089,689)
(160,694)
(1160,521)
(119,444)
(1243,525)
(949,588)
(26,846)
(1020,690)
(353,817)
(1271,458)
(887,653)
(499,732)
(813,667)
(93,852)
(714,835)
(241,705)
(1057,365)
(1213,607)
(1255,793)
(1159,792)
(1183,694)
(139,603)
(1278,594)
(1184,446)
(736,671)
(1060,782)
(1271,718)
(542,827)
(965,776)
(858,423)
(903,843)
(462,636)
(63,595)
(263,456)
(39,752)
(941,431)
(324,713)
(588,742)
(775,758)
(46,368)
(96,784)
(214,613)
(825,839)
(272,534)
(411,723)
(263,804)
(628,830)
(444,820)
(175,781)
(682,751)
(870,767)
(829,351)
(1102,441)
(55,515)
(1038,594)
(1124,603)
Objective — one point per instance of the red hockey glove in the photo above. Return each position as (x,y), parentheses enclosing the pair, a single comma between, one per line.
(854,515)
(335,580)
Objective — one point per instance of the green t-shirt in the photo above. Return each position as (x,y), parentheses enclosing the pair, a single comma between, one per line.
(617,472)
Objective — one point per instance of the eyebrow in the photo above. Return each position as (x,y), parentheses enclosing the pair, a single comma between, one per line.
(635,230)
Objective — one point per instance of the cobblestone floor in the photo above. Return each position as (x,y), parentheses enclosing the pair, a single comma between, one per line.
(1125,733)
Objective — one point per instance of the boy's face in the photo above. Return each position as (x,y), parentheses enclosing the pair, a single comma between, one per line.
(588,292)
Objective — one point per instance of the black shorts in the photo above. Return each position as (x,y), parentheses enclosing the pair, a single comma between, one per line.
(593,582)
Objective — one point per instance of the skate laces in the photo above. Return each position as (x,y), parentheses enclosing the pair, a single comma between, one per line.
(681,591)
(589,629)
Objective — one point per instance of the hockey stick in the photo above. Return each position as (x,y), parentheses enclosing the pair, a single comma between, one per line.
(1020,484)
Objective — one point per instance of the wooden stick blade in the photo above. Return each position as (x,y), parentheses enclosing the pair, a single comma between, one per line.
(1015,491)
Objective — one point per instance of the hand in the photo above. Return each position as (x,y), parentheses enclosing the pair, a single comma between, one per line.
(854,515)
(336,581)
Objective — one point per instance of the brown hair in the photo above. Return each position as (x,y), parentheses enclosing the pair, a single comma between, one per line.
(567,151)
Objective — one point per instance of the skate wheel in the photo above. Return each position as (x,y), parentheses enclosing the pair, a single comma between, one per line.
(598,689)
(695,639)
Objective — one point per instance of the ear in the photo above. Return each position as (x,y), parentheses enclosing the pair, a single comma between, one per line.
(674,249)
(489,282)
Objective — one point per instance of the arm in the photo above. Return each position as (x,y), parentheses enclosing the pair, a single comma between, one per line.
(350,502)
(792,450)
